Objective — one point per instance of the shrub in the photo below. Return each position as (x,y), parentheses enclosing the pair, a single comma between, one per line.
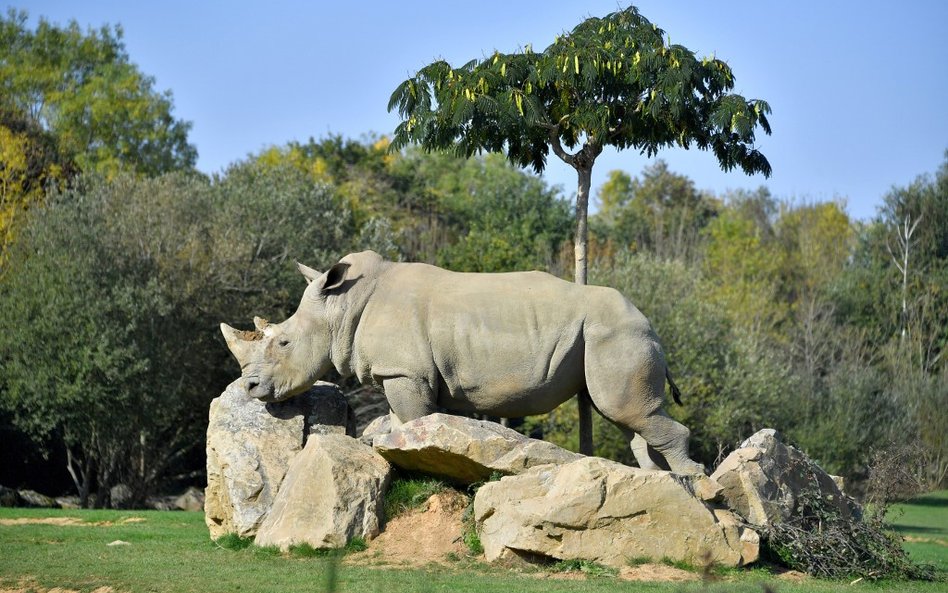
(818,540)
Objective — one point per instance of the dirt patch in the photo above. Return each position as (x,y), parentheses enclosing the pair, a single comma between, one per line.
(424,536)
(793,576)
(656,572)
(67,522)
(913,539)
(28,585)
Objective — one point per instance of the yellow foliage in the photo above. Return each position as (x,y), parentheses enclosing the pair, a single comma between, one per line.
(743,273)
(317,169)
(381,145)
(14,196)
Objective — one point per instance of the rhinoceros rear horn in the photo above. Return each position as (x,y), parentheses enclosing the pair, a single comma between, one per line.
(260,323)
(241,343)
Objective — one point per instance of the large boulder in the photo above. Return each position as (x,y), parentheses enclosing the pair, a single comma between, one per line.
(332,492)
(463,450)
(766,480)
(602,511)
(249,447)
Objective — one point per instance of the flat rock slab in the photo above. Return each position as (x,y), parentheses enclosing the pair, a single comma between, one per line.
(249,447)
(332,492)
(463,450)
(765,479)
(602,511)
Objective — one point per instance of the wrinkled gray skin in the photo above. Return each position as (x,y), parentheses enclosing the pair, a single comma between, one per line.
(507,345)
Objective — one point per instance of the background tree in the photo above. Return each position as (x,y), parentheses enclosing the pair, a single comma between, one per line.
(611,81)
(109,347)
(30,160)
(82,88)
(661,212)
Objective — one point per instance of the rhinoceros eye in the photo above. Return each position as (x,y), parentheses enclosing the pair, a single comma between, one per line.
(284,343)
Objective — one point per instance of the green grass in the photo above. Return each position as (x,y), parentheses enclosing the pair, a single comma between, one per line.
(410,493)
(924,524)
(171,552)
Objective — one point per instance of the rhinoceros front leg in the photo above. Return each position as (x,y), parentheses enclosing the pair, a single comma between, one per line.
(408,399)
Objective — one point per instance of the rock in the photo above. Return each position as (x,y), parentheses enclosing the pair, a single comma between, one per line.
(379,426)
(121,496)
(763,481)
(191,499)
(8,497)
(464,450)
(249,447)
(32,498)
(69,502)
(602,511)
(163,503)
(840,482)
(332,493)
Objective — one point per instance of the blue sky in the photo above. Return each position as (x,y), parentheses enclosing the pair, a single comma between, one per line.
(859,89)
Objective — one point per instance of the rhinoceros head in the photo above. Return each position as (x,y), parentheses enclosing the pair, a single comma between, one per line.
(280,360)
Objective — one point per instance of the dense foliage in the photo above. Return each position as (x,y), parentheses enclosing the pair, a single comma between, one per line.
(70,101)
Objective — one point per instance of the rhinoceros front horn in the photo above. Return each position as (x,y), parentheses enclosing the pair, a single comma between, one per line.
(241,343)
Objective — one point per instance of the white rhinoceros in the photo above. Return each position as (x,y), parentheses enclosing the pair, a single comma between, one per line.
(507,345)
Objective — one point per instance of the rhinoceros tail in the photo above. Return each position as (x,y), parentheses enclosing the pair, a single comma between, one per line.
(676,393)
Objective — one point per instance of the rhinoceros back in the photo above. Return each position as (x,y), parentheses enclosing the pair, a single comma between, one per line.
(508,344)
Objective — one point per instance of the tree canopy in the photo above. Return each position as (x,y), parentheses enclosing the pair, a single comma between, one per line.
(83,89)
(612,81)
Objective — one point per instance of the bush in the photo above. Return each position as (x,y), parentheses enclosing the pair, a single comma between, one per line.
(818,540)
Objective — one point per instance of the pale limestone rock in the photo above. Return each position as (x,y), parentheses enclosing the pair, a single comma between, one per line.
(464,450)
(381,425)
(191,499)
(332,492)
(764,478)
(249,447)
(32,498)
(606,512)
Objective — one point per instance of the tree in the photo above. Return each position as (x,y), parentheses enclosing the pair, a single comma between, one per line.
(661,212)
(742,265)
(109,345)
(81,87)
(611,81)
(30,160)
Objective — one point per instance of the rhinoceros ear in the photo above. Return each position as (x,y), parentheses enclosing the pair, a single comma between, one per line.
(309,273)
(241,343)
(335,277)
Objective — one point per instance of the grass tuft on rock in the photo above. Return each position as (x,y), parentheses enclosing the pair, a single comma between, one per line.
(406,494)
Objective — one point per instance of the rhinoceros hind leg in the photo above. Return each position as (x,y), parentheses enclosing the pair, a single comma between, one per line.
(408,399)
(670,438)
(646,455)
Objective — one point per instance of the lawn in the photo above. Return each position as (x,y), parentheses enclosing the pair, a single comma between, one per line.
(171,552)
(924,525)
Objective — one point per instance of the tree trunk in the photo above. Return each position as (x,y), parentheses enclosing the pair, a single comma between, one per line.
(581,242)
(580,251)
